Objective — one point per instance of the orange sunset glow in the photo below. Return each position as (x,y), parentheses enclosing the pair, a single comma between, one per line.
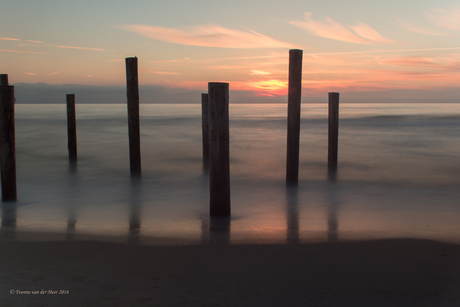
(369,49)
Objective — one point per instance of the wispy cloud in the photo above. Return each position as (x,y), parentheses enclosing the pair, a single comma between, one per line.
(30,73)
(413,61)
(209,36)
(446,18)
(260,72)
(361,34)
(78,48)
(366,31)
(9,39)
(418,29)
(21,44)
(408,61)
(170,61)
(21,51)
(384,51)
(165,72)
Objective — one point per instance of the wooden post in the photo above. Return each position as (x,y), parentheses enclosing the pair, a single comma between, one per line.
(71,128)
(205,129)
(132,85)
(219,163)
(292,195)
(4,80)
(333,131)
(7,141)
(293,129)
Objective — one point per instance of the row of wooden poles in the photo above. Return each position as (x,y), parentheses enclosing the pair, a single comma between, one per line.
(215,132)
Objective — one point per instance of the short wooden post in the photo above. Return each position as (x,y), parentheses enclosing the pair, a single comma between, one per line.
(71,128)
(333,131)
(293,129)
(132,85)
(205,129)
(219,163)
(4,80)
(7,141)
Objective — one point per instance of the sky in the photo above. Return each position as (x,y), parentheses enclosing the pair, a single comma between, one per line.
(403,51)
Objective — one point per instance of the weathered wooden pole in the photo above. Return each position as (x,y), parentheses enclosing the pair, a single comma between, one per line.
(219,156)
(71,128)
(333,131)
(132,93)
(205,128)
(293,129)
(7,141)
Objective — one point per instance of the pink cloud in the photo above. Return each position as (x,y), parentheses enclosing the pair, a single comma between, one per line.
(9,39)
(209,36)
(78,48)
(329,29)
(446,18)
(418,29)
(361,34)
(20,51)
(366,31)
(30,73)
(260,72)
(165,72)
(441,63)
(37,42)
(409,61)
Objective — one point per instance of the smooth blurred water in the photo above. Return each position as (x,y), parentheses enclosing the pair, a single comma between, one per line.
(398,175)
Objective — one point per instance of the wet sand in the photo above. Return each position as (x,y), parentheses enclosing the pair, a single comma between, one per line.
(393,272)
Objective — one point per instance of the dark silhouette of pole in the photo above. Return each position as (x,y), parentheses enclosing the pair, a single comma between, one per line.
(293,129)
(4,80)
(71,128)
(292,195)
(7,141)
(219,163)
(132,85)
(205,129)
(333,131)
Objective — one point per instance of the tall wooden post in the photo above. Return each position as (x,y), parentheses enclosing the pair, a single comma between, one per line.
(333,131)
(71,128)
(219,157)
(205,129)
(293,129)
(132,85)
(7,141)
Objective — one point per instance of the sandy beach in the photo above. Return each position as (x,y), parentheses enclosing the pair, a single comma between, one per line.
(393,272)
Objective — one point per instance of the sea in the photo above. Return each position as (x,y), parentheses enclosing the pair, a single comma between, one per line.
(398,176)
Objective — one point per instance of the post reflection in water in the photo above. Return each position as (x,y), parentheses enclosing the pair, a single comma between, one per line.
(72,195)
(134,210)
(333,205)
(292,212)
(215,230)
(9,220)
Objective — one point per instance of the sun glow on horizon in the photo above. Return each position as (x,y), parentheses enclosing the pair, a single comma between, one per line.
(372,48)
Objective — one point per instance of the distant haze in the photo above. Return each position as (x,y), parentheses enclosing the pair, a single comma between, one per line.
(48,93)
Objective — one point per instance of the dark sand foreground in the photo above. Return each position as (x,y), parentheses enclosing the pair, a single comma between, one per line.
(368,273)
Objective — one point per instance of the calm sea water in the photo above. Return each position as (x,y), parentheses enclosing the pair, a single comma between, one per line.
(398,175)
